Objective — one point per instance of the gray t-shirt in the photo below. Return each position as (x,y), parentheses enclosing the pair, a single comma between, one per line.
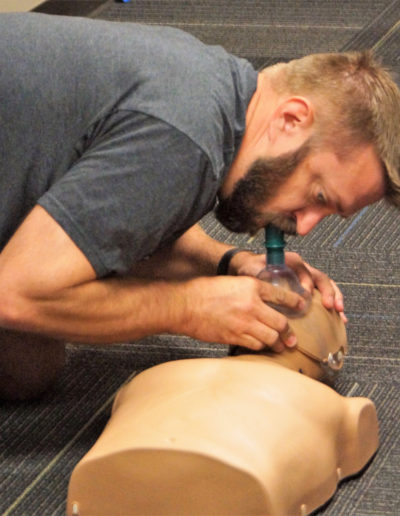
(122,132)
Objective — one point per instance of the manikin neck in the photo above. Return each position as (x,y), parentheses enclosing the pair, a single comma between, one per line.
(290,359)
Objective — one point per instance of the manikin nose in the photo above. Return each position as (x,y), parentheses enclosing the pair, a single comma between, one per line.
(307,220)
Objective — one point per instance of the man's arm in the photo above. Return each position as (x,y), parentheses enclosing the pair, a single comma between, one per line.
(197,254)
(194,254)
(48,286)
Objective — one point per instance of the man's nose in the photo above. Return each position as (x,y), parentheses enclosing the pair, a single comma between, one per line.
(307,219)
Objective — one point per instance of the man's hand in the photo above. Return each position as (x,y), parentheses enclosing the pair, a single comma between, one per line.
(311,278)
(247,263)
(233,310)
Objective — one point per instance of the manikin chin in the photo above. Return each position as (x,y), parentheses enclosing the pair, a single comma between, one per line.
(250,434)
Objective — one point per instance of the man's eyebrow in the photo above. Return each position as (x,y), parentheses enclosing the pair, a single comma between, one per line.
(336,202)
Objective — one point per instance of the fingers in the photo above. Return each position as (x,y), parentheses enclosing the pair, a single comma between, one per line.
(268,327)
(339,302)
(311,278)
(280,296)
(287,337)
(272,330)
(331,295)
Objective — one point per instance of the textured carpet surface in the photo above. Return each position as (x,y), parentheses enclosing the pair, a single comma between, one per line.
(41,442)
(257,30)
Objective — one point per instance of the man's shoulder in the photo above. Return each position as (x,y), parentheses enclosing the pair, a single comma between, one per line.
(201,90)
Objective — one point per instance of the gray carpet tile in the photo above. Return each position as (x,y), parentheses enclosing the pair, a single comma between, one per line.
(374,321)
(375,32)
(292,13)
(256,30)
(388,46)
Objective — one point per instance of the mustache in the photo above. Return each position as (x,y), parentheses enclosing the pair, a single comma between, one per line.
(252,221)
(287,224)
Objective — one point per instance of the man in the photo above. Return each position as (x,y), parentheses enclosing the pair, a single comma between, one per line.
(116,139)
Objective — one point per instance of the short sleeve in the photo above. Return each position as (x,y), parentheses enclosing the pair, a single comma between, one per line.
(138,185)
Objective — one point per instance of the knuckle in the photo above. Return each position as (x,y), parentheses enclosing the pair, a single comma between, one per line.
(248,281)
(276,322)
(282,324)
(246,306)
(236,329)
(272,337)
(293,256)
(321,275)
(249,286)
(285,297)
(281,296)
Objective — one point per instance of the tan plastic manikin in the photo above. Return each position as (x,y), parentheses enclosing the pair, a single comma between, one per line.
(241,435)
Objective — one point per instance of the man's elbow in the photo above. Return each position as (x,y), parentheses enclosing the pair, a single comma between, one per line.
(17,312)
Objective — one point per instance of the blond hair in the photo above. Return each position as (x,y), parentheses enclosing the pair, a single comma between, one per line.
(359,104)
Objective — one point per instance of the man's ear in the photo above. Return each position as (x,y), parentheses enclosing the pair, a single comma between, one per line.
(292,117)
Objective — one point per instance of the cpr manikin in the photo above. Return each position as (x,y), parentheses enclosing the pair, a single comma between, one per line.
(252,434)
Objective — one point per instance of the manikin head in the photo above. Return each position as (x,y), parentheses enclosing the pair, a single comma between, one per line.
(325,141)
(322,343)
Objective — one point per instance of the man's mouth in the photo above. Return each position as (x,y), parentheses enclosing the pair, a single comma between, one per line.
(285,222)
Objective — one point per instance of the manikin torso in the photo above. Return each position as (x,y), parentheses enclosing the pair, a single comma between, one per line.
(243,435)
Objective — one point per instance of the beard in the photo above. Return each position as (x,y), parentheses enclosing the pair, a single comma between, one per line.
(240,213)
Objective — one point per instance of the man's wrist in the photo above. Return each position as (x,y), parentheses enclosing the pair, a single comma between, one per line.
(226,259)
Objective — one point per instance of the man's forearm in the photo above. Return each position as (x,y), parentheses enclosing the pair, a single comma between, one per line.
(194,254)
(103,311)
(48,286)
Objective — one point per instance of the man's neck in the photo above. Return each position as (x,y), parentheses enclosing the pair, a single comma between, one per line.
(256,135)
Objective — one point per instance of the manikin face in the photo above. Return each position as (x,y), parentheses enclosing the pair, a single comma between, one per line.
(322,343)
(297,190)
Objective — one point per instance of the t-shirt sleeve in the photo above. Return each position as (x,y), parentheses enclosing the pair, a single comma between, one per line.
(138,185)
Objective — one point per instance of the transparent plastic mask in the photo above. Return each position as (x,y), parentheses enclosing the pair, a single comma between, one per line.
(278,273)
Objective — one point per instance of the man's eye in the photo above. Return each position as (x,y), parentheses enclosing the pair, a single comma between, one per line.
(321,199)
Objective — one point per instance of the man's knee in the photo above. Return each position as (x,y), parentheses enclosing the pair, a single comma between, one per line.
(29,364)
